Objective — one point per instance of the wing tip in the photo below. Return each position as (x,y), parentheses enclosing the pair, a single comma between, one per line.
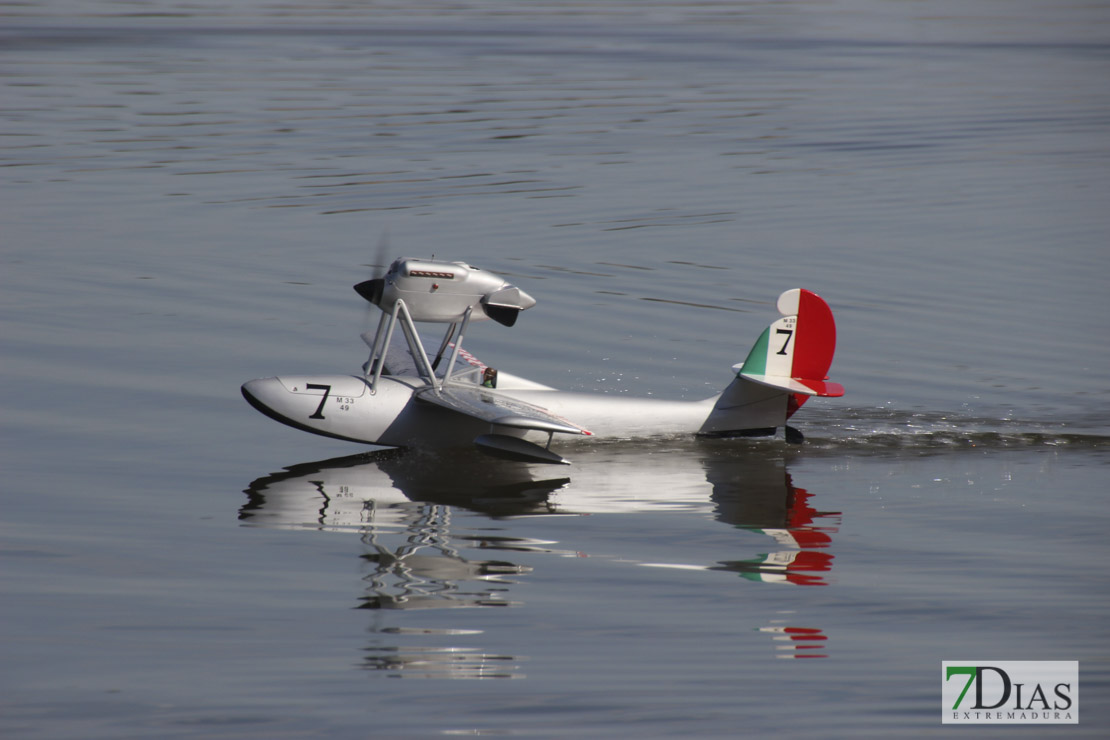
(542,425)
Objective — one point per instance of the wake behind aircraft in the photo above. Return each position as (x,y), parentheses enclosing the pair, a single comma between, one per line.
(405,398)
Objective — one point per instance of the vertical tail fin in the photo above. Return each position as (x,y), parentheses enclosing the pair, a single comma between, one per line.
(786,365)
(795,352)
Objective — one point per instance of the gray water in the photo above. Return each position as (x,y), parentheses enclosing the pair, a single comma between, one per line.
(190,190)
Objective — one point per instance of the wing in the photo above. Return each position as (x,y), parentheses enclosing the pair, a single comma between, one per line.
(496,408)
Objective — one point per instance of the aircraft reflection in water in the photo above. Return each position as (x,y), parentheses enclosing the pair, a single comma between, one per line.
(402,505)
(764,499)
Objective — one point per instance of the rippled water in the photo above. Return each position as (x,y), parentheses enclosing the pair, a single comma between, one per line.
(190,190)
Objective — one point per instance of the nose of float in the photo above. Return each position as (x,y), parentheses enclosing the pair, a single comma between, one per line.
(262,394)
(302,402)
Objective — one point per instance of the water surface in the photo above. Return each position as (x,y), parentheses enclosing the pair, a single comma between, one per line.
(189,191)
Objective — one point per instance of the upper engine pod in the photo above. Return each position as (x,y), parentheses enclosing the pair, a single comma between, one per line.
(441,292)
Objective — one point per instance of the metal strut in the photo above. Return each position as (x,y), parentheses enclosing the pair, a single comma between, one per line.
(381,345)
(458,344)
(373,360)
(384,336)
(443,347)
(423,366)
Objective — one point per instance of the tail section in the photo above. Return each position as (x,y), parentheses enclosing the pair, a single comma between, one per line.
(787,364)
(795,352)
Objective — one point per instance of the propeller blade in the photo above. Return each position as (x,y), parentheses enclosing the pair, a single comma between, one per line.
(381,256)
(371,289)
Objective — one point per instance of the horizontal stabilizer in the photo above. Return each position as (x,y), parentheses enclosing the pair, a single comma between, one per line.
(804,386)
(514,448)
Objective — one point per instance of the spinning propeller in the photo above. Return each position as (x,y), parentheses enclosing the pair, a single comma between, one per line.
(371,289)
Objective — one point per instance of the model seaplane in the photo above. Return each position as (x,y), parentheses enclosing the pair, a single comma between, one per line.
(406,398)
